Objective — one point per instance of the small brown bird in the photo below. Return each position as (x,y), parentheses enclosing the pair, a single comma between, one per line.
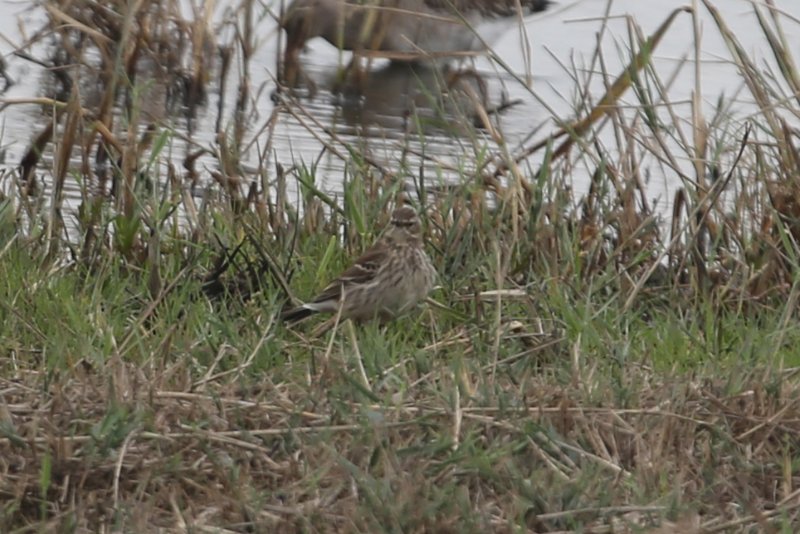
(389,279)
(405,30)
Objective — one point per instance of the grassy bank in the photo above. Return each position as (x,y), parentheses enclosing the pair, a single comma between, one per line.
(586,364)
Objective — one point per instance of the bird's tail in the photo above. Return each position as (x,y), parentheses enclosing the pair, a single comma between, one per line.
(536,6)
(296,314)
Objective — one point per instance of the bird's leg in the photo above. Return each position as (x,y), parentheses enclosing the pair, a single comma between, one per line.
(302,80)
(310,84)
(359,72)
(352,79)
(294,75)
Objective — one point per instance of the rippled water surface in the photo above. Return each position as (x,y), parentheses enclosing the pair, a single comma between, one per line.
(396,122)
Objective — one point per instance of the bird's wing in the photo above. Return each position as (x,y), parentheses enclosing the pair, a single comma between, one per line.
(362,271)
(489,7)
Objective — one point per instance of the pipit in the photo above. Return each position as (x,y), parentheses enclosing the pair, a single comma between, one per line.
(402,30)
(389,279)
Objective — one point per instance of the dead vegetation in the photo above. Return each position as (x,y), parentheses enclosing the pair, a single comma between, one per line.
(129,447)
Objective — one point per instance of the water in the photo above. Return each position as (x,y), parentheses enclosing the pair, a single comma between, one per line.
(379,123)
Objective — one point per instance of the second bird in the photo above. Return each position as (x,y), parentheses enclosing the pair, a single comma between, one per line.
(416,28)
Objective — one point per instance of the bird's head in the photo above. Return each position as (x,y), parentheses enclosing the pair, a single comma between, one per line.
(405,225)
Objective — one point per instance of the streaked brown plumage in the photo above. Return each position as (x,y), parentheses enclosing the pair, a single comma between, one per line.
(389,279)
(403,29)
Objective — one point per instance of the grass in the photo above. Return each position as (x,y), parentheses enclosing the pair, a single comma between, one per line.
(584,365)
